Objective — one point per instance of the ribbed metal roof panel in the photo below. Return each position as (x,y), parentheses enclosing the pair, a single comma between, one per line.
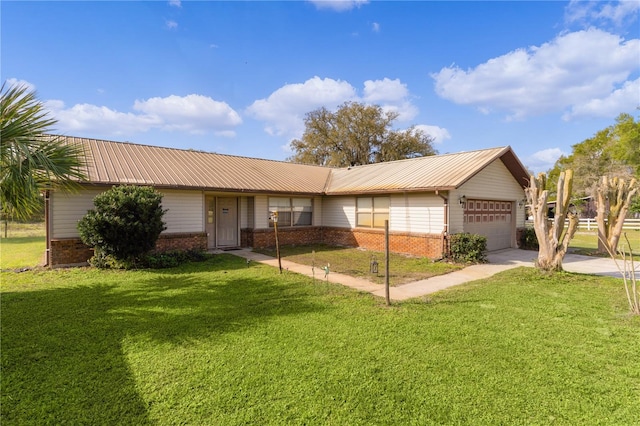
(127,163)
(425,173)
(114,163)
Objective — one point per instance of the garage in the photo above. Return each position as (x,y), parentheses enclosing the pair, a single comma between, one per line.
(491,218)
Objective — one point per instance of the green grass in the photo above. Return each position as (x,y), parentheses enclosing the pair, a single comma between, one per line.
(24,247)
(225,344)
(355,262)
(586,242)
(22,252)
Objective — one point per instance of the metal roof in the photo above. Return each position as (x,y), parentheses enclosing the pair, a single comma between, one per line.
(115,163)
(437,172)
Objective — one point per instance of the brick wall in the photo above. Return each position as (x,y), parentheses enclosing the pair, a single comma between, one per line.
(428,245)
(286,236)
(71,251)
(192,241)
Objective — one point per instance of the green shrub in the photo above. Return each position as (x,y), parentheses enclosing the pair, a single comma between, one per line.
(170,259)
(467,248)
(125,225)
(528,239)
(152,260)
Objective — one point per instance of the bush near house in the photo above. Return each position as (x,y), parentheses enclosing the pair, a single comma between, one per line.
(468,248)
(124,226)
(528,239)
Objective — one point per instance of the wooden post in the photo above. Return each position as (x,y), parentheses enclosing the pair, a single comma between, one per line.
(275,228)
(386,262)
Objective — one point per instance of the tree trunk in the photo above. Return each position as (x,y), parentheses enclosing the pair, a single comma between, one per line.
(552,240)
(613,198)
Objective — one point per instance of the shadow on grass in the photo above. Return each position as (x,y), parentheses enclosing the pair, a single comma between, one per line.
(62,353)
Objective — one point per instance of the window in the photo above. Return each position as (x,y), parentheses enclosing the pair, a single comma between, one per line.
(291,211)
(371,212)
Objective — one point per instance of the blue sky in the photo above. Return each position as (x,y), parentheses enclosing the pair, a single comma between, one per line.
(238,77)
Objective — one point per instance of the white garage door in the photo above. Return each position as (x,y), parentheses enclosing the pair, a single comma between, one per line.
(491,218)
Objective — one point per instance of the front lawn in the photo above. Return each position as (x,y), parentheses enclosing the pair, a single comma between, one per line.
(356,262)
(222,343)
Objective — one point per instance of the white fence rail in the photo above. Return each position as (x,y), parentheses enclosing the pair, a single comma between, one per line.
(591,225)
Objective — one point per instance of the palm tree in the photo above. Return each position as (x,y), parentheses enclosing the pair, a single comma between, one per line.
(31,160)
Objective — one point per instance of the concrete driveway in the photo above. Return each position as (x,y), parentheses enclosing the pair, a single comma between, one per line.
(571,263)
(499,261)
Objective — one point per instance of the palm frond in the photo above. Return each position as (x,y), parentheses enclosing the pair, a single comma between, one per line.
(30,158)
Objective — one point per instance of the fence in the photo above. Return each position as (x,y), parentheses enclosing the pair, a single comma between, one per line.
(591,225)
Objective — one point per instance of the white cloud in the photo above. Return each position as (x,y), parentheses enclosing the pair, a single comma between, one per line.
(384,90)
(439,134)
(175,3)
(544,160)
(16,82)
(195,114)
(391,95)
(172,25)
(375,27)
(589,12)
(626,98)
(571,70)
(101,120)
(285,108)
(191,113)
(338,5)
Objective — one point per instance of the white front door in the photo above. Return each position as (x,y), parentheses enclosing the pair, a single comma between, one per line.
(227,222)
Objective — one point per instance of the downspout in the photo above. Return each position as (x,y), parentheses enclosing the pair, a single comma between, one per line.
(445,231)
(47,228)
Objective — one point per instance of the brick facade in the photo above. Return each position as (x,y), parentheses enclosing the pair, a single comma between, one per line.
(287,236)
(191,241)
(427,245)
(72,251)
(68,251)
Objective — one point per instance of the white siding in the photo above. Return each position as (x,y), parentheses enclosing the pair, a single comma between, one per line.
(419,213)
(67,210)
(186,210)
(339,212)
(494,182)
(261,218)
(317,211)
(244,219)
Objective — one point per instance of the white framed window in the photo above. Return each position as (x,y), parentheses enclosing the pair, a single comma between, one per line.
(291,211)
(371,212)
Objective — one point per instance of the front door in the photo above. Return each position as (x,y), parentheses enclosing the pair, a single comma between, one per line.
(227,222)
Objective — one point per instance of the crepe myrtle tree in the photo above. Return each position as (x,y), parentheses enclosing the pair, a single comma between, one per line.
(125,224)
(553,239)
(613,200)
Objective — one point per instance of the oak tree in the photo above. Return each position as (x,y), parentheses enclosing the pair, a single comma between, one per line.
(357,134)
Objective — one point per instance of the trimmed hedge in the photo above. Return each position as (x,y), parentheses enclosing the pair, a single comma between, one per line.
(468,248)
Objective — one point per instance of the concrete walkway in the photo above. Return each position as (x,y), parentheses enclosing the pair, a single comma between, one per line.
(499,261)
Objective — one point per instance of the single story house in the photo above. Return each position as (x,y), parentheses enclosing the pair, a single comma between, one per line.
(219,201)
